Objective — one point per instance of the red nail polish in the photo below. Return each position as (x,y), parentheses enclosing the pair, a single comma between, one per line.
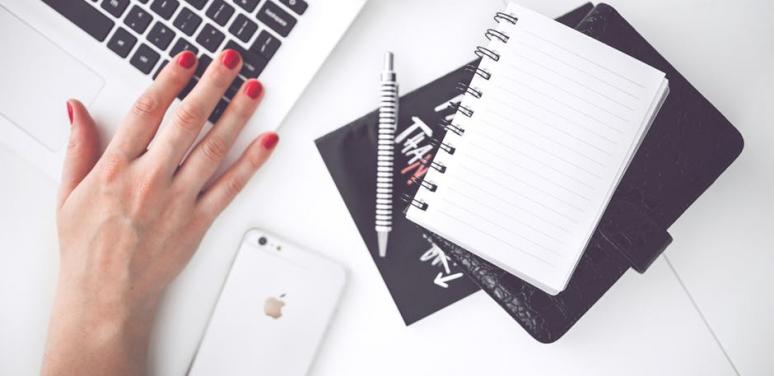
(70,112)
(230,59)
(254,89)
(187,59)
(269,140)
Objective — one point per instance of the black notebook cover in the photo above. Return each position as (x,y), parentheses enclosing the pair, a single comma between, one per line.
(688,147)
(420,277)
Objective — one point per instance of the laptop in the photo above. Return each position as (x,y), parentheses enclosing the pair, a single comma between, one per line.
(106,52)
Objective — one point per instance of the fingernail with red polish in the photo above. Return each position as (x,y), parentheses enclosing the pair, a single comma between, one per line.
(187,59)
(230,59)
(253,89)
(70,112)
(269,140)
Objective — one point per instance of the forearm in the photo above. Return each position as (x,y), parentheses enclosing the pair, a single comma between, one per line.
(89,339)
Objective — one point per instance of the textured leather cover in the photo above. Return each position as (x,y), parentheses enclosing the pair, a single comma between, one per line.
(687,148)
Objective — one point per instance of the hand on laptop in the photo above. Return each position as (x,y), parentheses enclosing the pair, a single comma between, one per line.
(131,218)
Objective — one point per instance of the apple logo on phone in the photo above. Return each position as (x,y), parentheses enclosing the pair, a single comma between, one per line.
(273,306)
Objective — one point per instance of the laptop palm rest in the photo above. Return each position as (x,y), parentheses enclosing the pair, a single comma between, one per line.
(38,77)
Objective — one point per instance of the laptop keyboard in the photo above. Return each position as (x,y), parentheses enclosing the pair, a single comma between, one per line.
(149,32)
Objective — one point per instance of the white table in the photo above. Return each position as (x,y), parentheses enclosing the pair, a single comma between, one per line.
(705,309)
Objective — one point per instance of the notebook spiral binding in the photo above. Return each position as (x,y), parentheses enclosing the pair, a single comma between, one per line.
(435,141)
(458,107)
(425,183)
(482,53)
(479,71)
(467,89)
(419,204)
(450,127)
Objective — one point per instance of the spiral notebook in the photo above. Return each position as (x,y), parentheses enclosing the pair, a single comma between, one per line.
(547,128)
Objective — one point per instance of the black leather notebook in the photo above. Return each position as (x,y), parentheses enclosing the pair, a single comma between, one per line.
(419,276)
(688,147)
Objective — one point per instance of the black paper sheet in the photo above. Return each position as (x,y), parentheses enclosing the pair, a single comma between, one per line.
(421,278)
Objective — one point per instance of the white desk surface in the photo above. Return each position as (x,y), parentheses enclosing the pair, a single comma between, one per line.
(720,261)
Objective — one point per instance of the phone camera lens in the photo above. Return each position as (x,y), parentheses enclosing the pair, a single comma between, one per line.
(262,240)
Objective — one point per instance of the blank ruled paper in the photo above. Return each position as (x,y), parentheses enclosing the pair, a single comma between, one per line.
(548,141)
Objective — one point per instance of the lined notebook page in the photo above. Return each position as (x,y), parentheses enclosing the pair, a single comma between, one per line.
(549,140)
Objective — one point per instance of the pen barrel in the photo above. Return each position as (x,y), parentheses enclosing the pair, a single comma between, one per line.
(385,156)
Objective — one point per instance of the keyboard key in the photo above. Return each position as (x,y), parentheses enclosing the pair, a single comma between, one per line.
(115,7)
(161,36)
(198,4)
(243,28)
(161,68)
(210,38)
(252,63)
(298,6)
(122,42)
(220,12)
(234,87)
(187,21)
(266,45)
(182,45)
(145,58)
(204,62)
(220,108)
(138,19)
(276,18)
(188,87)
(85,16)
(165,8)
(248,5)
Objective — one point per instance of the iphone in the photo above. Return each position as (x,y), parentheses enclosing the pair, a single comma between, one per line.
(272,312)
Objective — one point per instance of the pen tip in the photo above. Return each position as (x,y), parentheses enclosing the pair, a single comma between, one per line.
(382,236)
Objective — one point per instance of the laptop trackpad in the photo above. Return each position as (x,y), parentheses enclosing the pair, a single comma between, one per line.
(38,77)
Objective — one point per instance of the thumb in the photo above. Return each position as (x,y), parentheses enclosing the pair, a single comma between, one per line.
(82,149)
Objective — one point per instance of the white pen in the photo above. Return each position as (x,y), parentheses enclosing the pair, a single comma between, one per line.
(385,157)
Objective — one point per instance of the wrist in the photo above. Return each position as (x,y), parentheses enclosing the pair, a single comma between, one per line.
(83,329)
(104,314)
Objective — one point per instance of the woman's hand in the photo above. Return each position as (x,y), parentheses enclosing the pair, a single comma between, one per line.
(130,219)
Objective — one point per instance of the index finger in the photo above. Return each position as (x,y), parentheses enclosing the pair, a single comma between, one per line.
(143,120)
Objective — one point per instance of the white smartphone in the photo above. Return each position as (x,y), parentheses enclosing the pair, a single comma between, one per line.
(273,310)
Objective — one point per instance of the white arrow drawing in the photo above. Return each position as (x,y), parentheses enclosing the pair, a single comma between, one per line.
(437,256)
(441,279)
